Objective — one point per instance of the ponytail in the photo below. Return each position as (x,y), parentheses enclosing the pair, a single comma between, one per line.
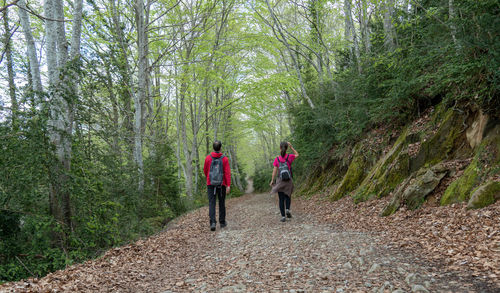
(283,148)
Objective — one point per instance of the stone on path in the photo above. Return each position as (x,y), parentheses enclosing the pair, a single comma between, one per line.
(419,288)
(347,266)
(373,268)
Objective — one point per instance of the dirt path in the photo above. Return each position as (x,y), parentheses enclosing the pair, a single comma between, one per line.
(255,253)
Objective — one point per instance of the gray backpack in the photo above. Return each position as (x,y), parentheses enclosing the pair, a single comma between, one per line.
(284,172)
(216,173)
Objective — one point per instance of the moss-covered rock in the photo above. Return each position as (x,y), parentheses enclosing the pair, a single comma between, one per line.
(387,173)
(442,144)
(484,195)
(486,164)
(460,189)
(414,189)
(325,175)
(354,175)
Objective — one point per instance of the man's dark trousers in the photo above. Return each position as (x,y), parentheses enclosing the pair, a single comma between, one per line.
(220,192)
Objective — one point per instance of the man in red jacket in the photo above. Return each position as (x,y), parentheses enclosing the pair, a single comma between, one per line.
(218,173)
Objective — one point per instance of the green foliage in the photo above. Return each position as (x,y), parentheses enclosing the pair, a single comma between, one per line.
(426,68)
(106,208)
(262,177)
(235,191)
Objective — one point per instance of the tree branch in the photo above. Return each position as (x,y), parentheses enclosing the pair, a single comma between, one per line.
(43,18)
(9,5)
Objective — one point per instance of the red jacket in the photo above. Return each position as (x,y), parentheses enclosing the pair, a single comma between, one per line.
(226,181)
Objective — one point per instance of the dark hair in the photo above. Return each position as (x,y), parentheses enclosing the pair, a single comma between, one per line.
(283,148)
(217,145)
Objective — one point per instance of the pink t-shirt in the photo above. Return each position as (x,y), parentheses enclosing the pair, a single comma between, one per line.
(291,157)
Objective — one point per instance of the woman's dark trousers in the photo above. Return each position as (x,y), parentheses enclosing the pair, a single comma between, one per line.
(284,201)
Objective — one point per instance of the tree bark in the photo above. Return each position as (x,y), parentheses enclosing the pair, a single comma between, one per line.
(351,35)
(10,70)
(365,30)
(62,94)
(141,95)
(389,41)
(188,169)
(453,27)
(125,90)
(31,49)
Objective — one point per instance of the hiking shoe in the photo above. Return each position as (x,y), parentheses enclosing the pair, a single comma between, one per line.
(288,214)
(223,225)
(212,227)
(283,219)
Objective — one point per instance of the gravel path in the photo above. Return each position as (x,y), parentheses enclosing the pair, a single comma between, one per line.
(255,253)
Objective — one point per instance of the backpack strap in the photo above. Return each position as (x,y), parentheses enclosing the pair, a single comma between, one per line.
(286,159)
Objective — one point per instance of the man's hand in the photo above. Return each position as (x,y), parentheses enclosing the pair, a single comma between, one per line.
(271,183)
(228,189)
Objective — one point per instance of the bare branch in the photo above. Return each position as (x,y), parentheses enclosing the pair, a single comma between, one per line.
(8,5)
(10,37)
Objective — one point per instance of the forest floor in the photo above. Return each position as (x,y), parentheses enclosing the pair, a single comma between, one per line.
(314,251)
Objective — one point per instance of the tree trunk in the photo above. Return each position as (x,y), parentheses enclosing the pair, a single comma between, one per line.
(234,166)
(10,70)
(388,26)
(178,131)
(62,93)
(188,169)
(142,90)
(125,90)
(453,27)
(351,35)
(31,49)
(365,30)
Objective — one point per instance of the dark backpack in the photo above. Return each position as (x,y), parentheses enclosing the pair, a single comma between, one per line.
(216,173)
(284,172)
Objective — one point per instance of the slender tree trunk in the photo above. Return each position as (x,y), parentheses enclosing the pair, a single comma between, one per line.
(180,166)
(234,166)
(188,170)
(31,49)
(195,127)
(142,90)
(10,70)
(125,89)
(351,35)
(115,146)
(365,30)
(389,41)
(453,27)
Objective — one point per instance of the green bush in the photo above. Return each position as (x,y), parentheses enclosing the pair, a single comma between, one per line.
(262,177)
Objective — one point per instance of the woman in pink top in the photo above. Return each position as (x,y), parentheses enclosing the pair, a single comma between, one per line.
(284,187)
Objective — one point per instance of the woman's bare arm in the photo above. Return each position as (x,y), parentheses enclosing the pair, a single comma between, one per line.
(275,170)
(293,150)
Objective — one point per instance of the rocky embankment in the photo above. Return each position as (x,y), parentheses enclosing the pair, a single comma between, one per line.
(446,156)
